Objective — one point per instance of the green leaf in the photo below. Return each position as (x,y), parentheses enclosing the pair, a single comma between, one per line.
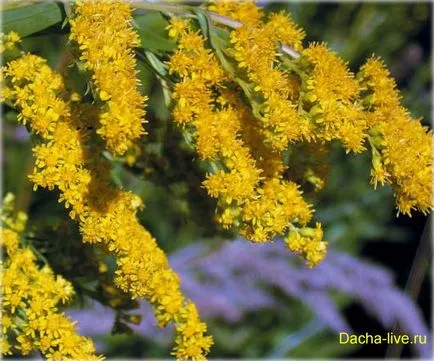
(152,21)
(222,35)
(156,63)
(26,20)
(203,21)
(151,29)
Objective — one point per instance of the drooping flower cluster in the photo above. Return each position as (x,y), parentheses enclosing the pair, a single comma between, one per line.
(327,102)
(254,48)
(31,296)
(254,200)
(318,106)
(107,215)
(105,37)
(253,107)
(402,146)
(331,94)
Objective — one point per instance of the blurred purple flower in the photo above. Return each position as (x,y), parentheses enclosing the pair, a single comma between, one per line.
(233,280)
(21,133)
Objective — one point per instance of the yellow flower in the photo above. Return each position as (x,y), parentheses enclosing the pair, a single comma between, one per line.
(9,41)
(285,30)
(278,204)
(6,347)
(105,214)
(402,146)
(190,342)
(309,243)
(255,50)
(176,27)
(106,38)
(35,292)
(244,11)
(331,95)
(245,157)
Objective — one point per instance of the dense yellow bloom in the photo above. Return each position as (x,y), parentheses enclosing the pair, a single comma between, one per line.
(402,154)
(254,46)
(103,31)
(44,117)
(189,340)
(244,11)
(9,41)
(330,103)
(279,204)
(247,178)
(31,297)
(331,94)
(268,160)
(308,242)
(106,215)
(255,50)
(284,30)
(216,131)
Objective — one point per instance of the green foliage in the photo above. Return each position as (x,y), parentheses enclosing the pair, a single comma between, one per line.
(150,27)
(29,19)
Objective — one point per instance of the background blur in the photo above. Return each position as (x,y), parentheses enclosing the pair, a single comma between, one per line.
(258,301)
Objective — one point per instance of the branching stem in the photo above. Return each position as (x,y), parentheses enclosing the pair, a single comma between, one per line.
(181,9)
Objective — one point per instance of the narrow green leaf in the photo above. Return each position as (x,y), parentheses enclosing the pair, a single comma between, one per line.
(29,19)
(151,29)
(156,63)
(203,21)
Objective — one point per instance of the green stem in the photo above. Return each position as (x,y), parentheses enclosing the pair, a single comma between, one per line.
(184,10)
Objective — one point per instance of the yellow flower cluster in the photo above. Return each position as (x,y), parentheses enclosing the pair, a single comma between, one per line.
(9,41)
(331,94)
(307,242)
(30,300)
(254,47)
(103,31)
(402,146)
(246,178)
(106,215)
(38,104)
(243,10)
(316,99)
(327,95)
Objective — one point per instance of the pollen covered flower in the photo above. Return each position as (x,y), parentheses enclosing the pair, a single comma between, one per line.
(246,174)
(9,41)
(331,95)
(245,11)
(402,146)
(106,214)
(189,336)
(307,242)
(105,37)
(31,297)
(255,50)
